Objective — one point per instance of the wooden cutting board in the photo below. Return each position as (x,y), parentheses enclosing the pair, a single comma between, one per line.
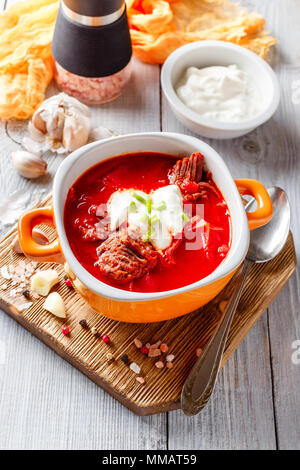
(162,387)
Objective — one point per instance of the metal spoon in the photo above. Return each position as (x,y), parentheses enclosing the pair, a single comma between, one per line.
(265,243)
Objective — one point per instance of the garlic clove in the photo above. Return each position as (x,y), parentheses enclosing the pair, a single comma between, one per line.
(28,164)
(38,122)
(76,131)
(55,305)
(43,281)
(55,124)
(35,133)
(37,235)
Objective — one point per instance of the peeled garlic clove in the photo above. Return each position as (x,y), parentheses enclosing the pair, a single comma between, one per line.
(37,235)
(28,164)
(38,121)
(35,133)
(55,304)
(76,132)
(43,281)
(55,124)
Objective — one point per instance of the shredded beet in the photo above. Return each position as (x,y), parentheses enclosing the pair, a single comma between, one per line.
(125,257)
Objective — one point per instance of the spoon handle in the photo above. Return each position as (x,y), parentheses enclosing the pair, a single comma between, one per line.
(201,381)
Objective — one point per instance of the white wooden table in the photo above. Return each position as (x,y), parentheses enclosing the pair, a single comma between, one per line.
(46,403)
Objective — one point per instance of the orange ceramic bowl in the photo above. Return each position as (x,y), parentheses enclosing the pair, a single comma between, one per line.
(139,307)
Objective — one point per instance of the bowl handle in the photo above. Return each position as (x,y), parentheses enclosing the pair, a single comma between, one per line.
(264,210)
(50,252)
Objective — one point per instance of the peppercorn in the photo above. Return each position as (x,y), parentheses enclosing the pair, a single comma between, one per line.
(124,358)
(84,324)
(68,282)
(26,293)
(65,330)
(94,331)
(106,339)
(144,350)
(110,358)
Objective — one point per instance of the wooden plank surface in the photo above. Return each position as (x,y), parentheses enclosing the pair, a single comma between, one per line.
(54,412)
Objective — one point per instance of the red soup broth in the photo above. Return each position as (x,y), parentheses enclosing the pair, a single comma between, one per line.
(146,172)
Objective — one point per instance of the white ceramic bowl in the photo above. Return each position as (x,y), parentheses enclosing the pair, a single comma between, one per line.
(208,53)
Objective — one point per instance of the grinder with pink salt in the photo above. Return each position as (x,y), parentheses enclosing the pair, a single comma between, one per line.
(92,49)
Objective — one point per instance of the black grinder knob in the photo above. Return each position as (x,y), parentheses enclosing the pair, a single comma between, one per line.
(94,7)
(91,38)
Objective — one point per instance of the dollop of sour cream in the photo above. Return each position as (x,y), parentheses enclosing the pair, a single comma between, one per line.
(158,216)
(226,94)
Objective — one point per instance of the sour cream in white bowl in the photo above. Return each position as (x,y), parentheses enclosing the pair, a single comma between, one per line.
(218,89)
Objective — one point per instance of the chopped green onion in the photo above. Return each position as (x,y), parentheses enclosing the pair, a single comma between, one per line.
(137,196)
(154,219)
(144,218)
(185,218)
(149,204)
(132,207)
(161,206)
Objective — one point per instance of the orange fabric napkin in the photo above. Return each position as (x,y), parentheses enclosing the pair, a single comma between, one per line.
(25,56)
(158,27)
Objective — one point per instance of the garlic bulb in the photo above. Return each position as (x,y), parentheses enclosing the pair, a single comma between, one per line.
(62,121)
(28,164)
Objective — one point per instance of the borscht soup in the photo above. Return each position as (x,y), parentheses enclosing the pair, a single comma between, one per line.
(148,222)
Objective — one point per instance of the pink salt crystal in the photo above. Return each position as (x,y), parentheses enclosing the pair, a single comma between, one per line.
(170,357)
(135,368)
(4,286)
(138,343)
(19,271)
(4,272)
(164,347)
(198,352)
(148,345)
(24,306)
(154,352)
(140,380)
(169,365)
(159,364)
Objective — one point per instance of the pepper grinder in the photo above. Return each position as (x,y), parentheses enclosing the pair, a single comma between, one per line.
(92,49)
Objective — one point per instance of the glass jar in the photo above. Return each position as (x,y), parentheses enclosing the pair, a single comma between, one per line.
(92,90)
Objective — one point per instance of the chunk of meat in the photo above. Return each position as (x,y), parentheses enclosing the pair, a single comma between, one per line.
(187,171)
(125,257)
